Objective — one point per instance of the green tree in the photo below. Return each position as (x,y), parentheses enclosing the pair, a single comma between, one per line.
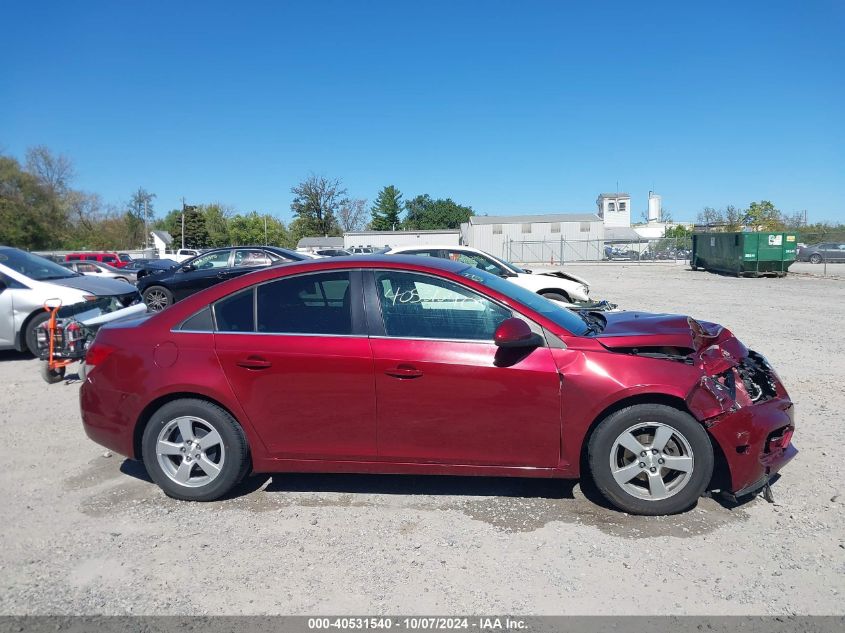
(31,214)
(316,203)
(763,216)
(386,210)
(139,216)
(423,213)
(196,234)
(217,224)
(255,228)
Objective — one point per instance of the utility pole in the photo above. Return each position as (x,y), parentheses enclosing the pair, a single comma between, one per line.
(265,229)
(146,229)
(183,222)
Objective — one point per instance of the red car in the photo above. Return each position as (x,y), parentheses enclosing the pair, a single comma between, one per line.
(426,366)
(118,260)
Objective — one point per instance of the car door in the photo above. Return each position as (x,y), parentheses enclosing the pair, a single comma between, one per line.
(7,311)
(205,271)
(445,392)
(296,353)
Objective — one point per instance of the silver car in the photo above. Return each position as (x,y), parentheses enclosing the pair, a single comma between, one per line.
(27,281)
(99,269)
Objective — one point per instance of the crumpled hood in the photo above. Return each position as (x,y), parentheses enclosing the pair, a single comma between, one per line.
(101,287)
(558,272)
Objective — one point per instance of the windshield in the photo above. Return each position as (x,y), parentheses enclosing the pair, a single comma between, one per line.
(507,264)
(562,316)
(33,266)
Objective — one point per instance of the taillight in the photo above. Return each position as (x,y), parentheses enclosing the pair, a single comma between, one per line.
(98,353)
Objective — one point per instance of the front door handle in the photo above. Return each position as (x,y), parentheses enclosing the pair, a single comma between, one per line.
(254,362)
(403,371)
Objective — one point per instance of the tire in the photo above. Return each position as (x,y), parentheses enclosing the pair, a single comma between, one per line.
(556,296)
(158,298)
(30,339)
(625,442)
(815,258)
(179,473)
(51,376)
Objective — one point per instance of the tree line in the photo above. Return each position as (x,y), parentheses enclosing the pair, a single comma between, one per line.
(41,210)
(765,216)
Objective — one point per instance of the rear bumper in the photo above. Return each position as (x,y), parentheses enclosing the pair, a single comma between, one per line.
(108,417)
(748,440)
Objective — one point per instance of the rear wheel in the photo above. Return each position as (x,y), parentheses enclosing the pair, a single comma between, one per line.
(194,450)
(158,298)
(651,459)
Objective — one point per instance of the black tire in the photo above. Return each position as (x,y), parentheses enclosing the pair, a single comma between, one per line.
(52,376)
(556,296)
(233,450)
(683,489)
(815,258)
(29,338)
(158,298)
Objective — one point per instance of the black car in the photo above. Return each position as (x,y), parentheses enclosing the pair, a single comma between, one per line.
(161,289)
(818,253)
(143,267)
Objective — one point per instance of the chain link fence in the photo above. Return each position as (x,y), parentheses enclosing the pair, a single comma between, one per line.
(556,252)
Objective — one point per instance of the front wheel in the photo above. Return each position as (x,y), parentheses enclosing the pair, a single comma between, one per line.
(194,450)
(815,258)
(651,459)
(157,298)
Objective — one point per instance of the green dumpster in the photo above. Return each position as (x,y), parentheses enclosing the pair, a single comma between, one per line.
(739,254)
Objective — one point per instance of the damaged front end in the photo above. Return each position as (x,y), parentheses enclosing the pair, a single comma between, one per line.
(744,406)
(737,395)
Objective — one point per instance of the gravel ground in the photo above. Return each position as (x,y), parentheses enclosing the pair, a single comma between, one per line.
(86,532)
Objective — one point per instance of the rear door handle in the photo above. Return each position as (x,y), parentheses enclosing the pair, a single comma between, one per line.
(254,362)
(403,372)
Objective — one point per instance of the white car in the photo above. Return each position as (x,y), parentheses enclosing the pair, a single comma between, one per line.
(552,283)
(184,254)
(27,281)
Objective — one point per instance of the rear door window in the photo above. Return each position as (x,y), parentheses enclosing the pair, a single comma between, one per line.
(236,313)
(245,257)
(306,304)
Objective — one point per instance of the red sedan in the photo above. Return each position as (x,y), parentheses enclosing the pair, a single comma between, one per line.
(426,366)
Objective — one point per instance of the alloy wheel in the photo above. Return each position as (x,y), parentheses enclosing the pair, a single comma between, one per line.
(190,451)
(156,300)
(651,461)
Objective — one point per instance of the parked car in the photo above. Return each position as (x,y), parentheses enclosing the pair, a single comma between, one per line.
(184,254)
(99,269)
(362,250)
(818,253)
(118,260)
(552,283)
(143,267)
(27,281)
(427,366)
(332,252)
(163,289)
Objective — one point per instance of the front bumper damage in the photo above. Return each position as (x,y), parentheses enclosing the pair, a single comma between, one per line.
(745,409)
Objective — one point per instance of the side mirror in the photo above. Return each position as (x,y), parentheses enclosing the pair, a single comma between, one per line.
(3,285)
(188,268)
(515,332)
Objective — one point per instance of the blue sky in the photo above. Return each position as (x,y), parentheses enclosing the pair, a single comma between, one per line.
(510,107)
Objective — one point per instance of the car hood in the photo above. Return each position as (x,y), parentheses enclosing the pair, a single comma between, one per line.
(560,273)
(95,285)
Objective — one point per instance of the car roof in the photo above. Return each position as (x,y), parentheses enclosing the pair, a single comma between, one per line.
(376,261)
(416,247)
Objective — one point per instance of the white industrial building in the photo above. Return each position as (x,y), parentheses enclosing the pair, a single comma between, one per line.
(614,209)
(538,238)
(391,239)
